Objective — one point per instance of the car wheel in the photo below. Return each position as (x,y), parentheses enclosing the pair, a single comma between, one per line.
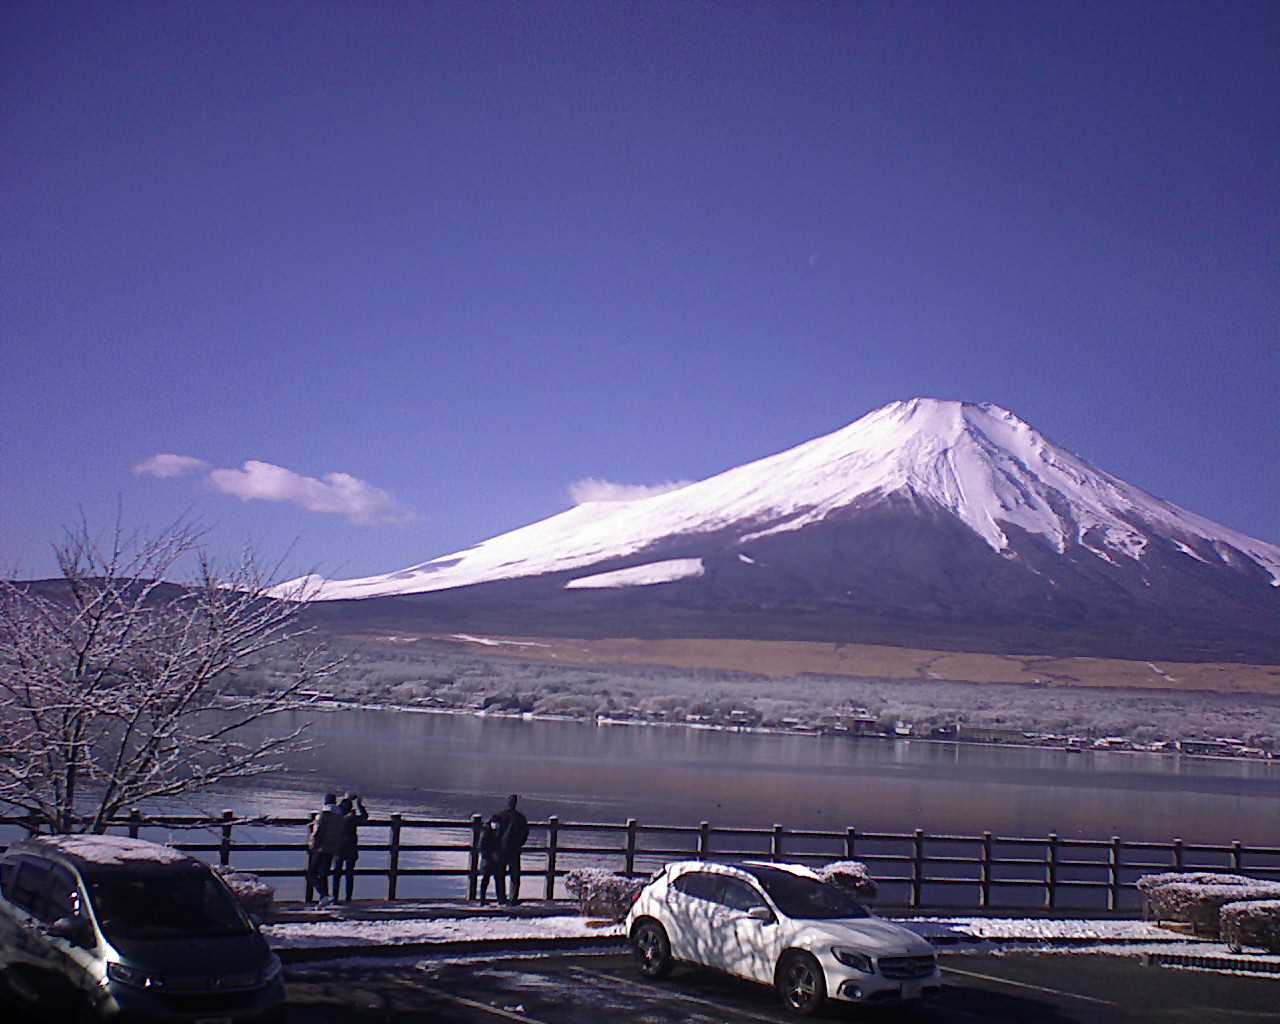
(651,949)
(800,983)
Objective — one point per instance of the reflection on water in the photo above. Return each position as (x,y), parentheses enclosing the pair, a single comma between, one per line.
(451,766)
(454,765)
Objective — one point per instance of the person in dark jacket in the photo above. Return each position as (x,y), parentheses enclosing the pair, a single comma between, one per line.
(351,815)
(514,834)
(492,864)
(322,844)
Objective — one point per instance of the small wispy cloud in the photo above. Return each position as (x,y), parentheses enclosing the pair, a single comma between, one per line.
(334,493)
(342,494)
(166,465)
(594,489)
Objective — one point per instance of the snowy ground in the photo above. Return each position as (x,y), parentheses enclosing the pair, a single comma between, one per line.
(319,934)
(949,930)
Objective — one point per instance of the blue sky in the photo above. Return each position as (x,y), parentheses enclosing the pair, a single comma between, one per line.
(468,254)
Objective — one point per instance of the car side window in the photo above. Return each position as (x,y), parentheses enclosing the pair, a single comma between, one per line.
(61,897)
(698,884)
(28,885)
(738,895)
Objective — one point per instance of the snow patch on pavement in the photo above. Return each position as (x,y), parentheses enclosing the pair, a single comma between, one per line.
(997,929)
(321,934)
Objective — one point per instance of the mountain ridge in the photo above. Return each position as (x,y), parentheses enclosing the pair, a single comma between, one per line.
(977,462)
(925,523)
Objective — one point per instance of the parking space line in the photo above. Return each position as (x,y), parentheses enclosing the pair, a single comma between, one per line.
(666,993)
(1022,984)
(472,1004)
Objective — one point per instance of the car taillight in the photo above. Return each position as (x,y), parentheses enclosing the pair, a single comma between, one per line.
(635,896)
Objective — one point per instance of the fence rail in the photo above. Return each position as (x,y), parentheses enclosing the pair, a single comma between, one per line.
(914,869)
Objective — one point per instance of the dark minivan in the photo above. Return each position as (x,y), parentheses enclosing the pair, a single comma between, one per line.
(104,928)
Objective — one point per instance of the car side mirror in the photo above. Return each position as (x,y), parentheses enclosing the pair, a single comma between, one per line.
(762,914)
(71,929)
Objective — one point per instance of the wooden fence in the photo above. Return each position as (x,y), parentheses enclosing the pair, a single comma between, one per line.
(914,870)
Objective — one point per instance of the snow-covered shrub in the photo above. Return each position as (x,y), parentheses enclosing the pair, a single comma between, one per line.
(1153,908)
(1148,882)
(852,875)
(253,894)
(1200,905)
(601,893)
(1251,923)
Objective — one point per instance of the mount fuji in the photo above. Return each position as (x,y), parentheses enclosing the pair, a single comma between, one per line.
(925,523)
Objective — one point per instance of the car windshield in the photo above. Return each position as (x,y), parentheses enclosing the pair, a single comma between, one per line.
(801,897)
(187,904)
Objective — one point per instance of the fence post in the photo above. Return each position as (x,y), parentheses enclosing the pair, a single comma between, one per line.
(1051,873)
(553,840)
(309,890)
(135,822)
(1113,874)
(629,854)
(984,872)
(704,839)
(1177,854)
(1237,856)
(224,848)
(850,842)
(775,844)
(473,861)
(917,867)
(393,859)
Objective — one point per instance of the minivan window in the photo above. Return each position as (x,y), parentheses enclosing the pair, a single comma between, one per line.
(29,884)
(174,905)
(61,897)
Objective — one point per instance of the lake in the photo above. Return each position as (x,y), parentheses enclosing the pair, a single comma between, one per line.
(452,766)
(455,765)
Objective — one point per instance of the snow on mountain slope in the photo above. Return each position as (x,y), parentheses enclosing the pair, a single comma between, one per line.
(641,575)
(978,463)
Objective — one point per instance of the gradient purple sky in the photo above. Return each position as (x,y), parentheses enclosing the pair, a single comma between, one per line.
(468,254)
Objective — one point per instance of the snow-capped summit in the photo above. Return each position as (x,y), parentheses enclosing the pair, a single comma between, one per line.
(978,465)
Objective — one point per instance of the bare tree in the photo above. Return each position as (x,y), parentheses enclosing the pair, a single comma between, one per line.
(114,680)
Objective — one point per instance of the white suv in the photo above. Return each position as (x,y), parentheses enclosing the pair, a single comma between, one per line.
(779,924)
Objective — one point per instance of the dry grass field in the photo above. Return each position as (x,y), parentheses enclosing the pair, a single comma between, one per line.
(790,658)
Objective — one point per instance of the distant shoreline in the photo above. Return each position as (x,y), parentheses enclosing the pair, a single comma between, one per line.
(339,704)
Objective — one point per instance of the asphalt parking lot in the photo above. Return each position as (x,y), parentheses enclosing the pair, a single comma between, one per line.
(564,989)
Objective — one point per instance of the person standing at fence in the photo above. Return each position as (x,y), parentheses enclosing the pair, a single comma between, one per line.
(322,844)
(492,864)
(351,815)
(515,833)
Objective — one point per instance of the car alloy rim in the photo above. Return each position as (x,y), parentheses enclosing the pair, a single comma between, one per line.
(801,984)
(647,940)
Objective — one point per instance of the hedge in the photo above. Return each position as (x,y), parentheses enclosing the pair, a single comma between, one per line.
(601,893)
(1251,923)
(852,875)
(1200,905)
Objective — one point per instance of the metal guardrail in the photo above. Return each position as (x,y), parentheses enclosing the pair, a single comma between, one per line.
(912,866)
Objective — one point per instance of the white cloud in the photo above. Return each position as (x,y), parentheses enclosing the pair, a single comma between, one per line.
(334,493)
(166,465)
(594,489)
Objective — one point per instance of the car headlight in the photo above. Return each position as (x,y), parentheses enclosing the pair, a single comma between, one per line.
(132,976)
(852,958)
(271,971)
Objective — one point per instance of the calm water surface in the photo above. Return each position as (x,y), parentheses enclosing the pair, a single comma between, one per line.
(455,765)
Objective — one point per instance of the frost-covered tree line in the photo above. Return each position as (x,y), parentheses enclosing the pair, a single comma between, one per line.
(423,672)
(115,679)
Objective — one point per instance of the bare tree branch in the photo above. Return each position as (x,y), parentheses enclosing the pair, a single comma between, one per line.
(114,687)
